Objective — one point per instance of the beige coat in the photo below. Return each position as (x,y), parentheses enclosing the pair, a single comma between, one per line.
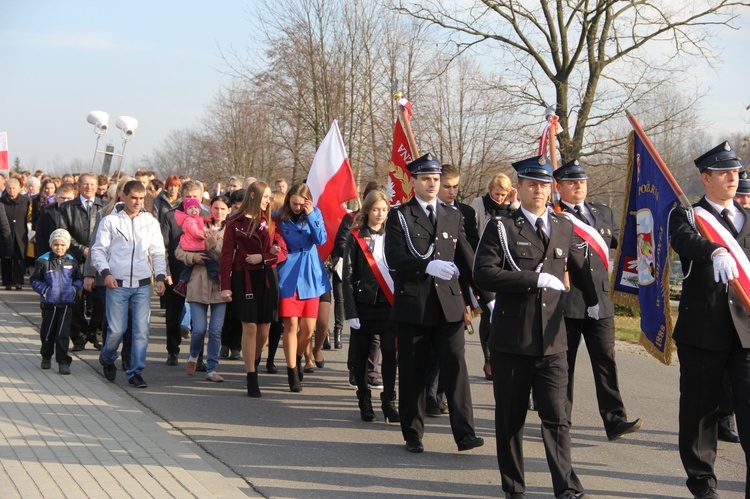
(202,288)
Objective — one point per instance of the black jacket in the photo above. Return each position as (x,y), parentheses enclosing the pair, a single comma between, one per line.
(80,224)
(360,284)
(46,223)
(574,306)
(420,298)
(527,320)
(16,211)
(711,316)
(6,239)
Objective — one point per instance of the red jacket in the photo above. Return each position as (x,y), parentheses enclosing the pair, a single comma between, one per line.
(238,245)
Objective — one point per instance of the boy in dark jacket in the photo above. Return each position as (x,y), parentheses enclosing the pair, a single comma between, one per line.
(57,278)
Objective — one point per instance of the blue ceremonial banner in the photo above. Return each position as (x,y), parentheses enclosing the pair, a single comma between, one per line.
(641,274)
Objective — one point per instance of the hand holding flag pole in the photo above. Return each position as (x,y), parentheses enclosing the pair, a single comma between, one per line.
(684,201)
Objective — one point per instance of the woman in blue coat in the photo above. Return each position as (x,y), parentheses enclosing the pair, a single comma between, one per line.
(302,276)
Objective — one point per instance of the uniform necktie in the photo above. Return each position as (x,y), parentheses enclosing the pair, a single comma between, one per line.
(581,216)
(728,221)
(431,214)
(540,232)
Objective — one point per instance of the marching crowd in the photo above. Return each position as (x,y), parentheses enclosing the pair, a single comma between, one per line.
(239,271)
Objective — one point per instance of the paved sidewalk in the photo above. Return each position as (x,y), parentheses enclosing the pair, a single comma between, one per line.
(79,436)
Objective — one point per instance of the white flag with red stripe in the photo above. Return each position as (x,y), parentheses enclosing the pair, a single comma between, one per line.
(4,151)
(331,184)
(722,236)
(592,237)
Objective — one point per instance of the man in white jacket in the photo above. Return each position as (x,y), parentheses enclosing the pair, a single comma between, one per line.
(128,251)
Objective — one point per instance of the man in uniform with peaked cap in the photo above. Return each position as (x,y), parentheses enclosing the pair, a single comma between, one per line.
(426,250)
(522,259)
(712,332)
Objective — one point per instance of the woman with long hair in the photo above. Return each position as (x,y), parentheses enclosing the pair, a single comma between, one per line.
(367,306)
(252,249)
(202,293)
(302,277)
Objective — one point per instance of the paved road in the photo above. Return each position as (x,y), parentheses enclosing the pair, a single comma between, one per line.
(312,444)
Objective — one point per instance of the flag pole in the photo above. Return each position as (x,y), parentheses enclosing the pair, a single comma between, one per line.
(406,125)
(741,294)
(553,159)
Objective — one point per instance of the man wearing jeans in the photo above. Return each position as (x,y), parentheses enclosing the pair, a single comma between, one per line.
(128,251)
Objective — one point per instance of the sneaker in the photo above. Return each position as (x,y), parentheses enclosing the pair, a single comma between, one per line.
(214,377)
(352,380)
(63,369)
(374,383)
(224,352)
(190,366)
(137,381)
(78,348)
(172,359)
(200,366)
(110,371)
(235,355)
(46,364)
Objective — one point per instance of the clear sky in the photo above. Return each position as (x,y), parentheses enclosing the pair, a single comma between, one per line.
(158,61)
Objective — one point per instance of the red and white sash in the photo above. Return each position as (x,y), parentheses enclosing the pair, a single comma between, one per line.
(376,260)
(590,236)
(720,235)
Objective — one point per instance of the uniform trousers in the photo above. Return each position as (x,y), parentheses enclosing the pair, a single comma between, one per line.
(414,342)
(701,376)
(600,343)
(513,376)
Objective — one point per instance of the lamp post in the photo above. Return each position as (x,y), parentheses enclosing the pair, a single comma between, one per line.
(127,126)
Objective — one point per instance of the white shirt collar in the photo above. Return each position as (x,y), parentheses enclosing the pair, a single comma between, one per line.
(424,204)
(731,207)
(532,218)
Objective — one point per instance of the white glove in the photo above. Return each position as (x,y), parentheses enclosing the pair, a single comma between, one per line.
(725,268)
(549,281)
(354,323)
(593,312)
(440,269)
(456,272)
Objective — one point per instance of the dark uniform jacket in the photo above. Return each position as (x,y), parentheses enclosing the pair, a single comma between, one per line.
(527,320)
(470,224)
(574,306)
(710,312)
(79,223)
(420,298)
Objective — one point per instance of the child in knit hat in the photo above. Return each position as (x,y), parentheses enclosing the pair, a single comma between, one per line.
(57,278)
(193,239)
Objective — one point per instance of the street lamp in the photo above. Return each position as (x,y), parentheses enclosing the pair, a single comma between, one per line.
(127,126)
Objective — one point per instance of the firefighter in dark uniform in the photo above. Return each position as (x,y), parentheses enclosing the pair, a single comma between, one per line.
(523,259)
(712,332)
(426,250)
(599,334)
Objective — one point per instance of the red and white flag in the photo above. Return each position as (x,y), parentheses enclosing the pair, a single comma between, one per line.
(331,184)
(4,152)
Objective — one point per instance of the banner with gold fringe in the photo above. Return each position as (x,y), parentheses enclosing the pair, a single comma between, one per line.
(641,276)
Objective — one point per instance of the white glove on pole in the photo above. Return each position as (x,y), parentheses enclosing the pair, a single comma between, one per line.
(440,269)
(354,323)
(549,281)
(725,268)
(593,312)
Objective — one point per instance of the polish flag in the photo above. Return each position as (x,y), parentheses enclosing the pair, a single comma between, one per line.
(4,151)
(331,184)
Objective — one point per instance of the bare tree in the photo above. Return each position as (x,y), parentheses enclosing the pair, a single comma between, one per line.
(591,58)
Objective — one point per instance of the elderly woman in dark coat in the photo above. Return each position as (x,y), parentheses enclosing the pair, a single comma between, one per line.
(16,208)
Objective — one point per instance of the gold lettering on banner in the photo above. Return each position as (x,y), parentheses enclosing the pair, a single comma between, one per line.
(659,341)
(649,188)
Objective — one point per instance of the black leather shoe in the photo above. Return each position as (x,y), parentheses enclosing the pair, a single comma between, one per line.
(623,428)
(470,442)
(728,435)
(572,494)
(707,493)
(172,359)
(414,445)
